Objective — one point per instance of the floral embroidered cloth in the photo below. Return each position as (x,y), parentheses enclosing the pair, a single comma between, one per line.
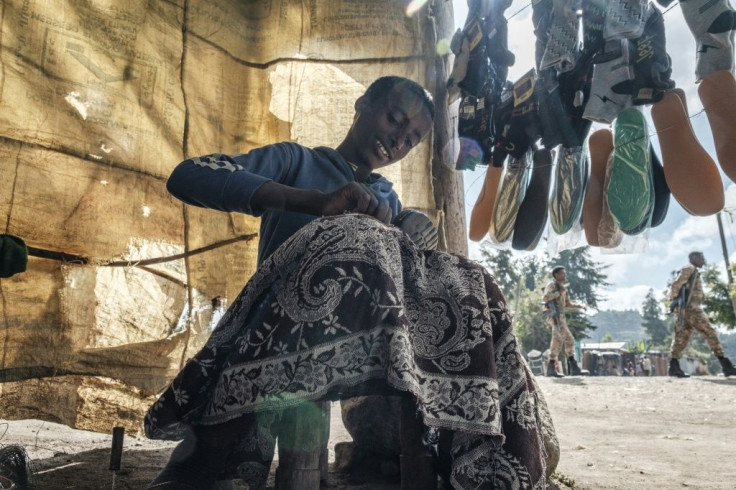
(349,306)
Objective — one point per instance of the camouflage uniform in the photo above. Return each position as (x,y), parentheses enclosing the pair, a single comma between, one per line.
(561,335)
(693,317)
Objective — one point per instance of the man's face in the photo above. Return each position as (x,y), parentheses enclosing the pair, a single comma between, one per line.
(698,260)
(385,130)
(561,275)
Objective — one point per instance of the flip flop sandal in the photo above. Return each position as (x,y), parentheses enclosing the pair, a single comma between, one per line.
(568,190)
(661,190)
(480,217)
(531,219)
(510,195)
(600,146)
(630,188)
(609,233)
(692,175)
(717,91)
(418,227)
(712,25)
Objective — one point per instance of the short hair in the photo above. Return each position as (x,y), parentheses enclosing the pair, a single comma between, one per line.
(557,269)
(694,253)
(384,85)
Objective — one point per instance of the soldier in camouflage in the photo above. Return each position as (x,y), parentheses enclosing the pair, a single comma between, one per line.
(556,300)
(686,295)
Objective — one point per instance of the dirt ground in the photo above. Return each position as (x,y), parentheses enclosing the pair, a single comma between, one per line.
(615,433)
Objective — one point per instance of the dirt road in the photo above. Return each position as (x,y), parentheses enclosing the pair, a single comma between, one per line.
(615,433)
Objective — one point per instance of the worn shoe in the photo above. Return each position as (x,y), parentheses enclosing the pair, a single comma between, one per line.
(572,367)
(630,188)
(728,367)
(418,227)
(675,369)
(552,372)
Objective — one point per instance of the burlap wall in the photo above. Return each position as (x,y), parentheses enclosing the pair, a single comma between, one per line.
(100,99)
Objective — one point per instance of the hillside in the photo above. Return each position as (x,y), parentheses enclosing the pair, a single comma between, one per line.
(623,326)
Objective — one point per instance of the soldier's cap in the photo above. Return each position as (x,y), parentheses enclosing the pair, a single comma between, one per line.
(557,269)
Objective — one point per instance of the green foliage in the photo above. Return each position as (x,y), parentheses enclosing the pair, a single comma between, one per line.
(523,279)
(717,302)
(651,314)
(607,338)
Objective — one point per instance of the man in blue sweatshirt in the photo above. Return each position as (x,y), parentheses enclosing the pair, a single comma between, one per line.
(289,185)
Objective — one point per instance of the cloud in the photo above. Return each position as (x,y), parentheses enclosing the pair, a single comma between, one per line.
(628,298)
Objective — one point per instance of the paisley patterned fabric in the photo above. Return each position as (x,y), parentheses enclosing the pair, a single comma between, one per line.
(350,306)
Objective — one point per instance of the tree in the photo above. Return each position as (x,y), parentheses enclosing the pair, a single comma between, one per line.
(607,338)
(652,321)
(717,302)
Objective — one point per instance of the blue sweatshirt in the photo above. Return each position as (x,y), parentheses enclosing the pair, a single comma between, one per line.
(228,182)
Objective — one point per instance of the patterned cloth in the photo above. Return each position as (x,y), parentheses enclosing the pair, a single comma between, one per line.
(347,306)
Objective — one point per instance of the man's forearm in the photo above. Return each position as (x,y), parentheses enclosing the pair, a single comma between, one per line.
(273,195)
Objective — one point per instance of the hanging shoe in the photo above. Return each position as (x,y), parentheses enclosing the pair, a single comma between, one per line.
(600,146)
(480,217)
(630,189)
(661,190)
(675,369)
(717,91)
(712,24)
(609,233)
(692,175)
(531,220)
(510,195)
(568,190)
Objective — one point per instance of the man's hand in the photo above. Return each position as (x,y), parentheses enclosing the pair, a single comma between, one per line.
(356,198)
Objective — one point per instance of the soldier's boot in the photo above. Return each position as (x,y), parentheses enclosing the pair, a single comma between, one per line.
(552,372)
(675,369)
(728,367)
(572,367)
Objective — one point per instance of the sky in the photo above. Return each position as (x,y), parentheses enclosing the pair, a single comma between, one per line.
(663,249)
